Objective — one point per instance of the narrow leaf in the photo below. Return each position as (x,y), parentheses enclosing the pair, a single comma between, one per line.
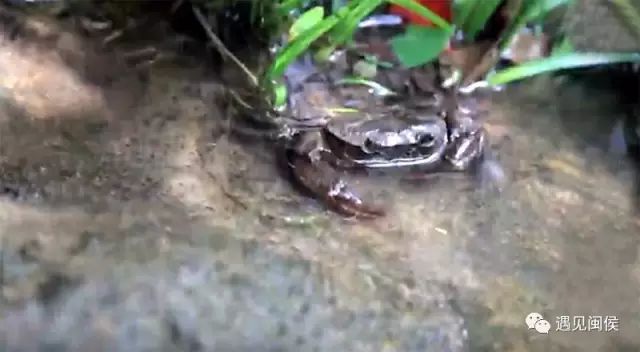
(306,21)
(477,20)
(349,18)
(559,62)
(461,11)
(541,8)
(349,22)
(298,46)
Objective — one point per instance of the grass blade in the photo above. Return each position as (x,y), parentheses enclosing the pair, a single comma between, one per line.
(461,11)
(543,7)
(350,16)
(298,46)
(559,62)
(345,28)
(306,21)
(477,20)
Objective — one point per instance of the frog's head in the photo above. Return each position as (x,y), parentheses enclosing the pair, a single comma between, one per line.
(389,141)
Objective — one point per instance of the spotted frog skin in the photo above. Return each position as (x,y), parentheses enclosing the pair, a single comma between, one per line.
(323,138)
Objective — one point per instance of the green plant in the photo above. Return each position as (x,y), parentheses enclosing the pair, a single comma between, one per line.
(338,28)
(557,62)
(563,56)
(420,45)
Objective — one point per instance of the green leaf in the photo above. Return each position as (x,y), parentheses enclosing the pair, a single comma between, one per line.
(419,45)
(540,8)
(298,46)
(479,12)
(461,11)
(423,11)
(350,19)
(306,21)
(559,62)
(280,95)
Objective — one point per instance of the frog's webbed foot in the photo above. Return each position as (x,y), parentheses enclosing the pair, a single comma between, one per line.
(314,172)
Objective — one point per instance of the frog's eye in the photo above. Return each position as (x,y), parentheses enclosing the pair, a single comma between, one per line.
(426,140)
(369,146)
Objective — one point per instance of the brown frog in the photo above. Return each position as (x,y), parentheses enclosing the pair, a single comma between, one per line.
(323,137)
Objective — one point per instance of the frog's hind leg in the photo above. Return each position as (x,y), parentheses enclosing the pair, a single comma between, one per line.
(321,180)
(313,168)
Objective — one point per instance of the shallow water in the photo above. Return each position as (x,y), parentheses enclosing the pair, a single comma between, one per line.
(119,199)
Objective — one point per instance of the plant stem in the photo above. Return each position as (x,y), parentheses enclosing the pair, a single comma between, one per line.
(223,49)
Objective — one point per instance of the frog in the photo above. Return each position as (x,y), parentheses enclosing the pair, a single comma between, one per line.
(323,138)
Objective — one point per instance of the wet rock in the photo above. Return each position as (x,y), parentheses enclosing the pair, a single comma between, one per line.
(186,301)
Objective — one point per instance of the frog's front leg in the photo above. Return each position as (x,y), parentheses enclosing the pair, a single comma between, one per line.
(312,166)
(467,143)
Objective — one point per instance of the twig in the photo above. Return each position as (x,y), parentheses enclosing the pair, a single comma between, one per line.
(237,97)
(220,46)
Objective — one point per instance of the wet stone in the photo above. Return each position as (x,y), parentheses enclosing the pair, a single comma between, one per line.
(166,290)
